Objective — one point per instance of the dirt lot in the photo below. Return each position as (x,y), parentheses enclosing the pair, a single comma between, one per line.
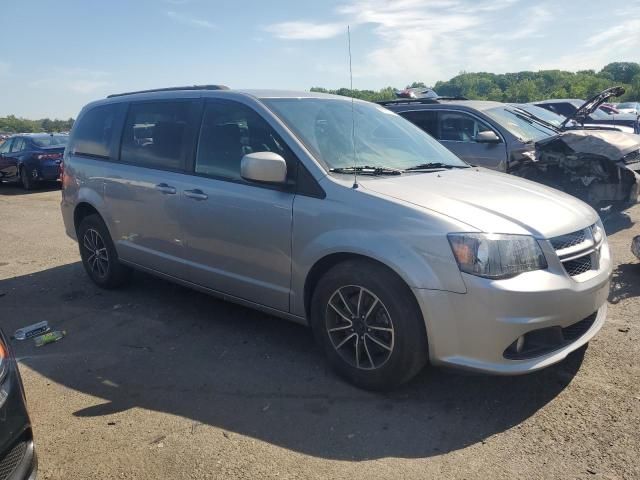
(157,381)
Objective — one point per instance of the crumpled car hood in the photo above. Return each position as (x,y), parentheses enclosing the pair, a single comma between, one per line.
(489,201)
(610,144)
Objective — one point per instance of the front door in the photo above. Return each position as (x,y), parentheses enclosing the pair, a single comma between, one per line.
(238,233)
(458,132)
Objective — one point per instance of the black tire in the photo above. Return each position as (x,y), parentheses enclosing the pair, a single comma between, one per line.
(396,321)
(28,183)
(99,255)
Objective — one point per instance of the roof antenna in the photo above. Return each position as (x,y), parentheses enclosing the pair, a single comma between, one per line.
(353,116)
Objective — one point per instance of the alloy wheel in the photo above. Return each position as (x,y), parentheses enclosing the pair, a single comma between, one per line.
(360,327)
(96,250)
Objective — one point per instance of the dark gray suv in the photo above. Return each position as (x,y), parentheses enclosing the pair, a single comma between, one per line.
(598,166)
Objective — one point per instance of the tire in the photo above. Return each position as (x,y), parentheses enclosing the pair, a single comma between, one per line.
(27,182)
(354,347)
(99,255)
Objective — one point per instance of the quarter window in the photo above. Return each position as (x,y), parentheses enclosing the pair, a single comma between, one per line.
(460,127)
(229,131)
(94,132)
(155,134)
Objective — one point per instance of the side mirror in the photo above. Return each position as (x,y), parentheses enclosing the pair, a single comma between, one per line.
(487,136)
(267,167)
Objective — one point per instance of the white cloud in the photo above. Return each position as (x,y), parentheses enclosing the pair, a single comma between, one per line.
(306,30)
(189,20)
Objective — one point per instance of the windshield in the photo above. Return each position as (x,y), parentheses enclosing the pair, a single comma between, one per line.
(526,129)
(543,114)
(382,138)
(51,141)
(627,105)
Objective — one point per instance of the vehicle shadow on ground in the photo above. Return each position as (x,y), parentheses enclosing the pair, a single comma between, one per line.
(12,189)
(616,222)
(625,282)
(159,346)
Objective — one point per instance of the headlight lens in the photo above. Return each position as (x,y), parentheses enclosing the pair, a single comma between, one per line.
(598,232)
(496,256)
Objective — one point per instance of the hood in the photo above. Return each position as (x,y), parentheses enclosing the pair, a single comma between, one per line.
(489,201)
(607,143)
(590,106)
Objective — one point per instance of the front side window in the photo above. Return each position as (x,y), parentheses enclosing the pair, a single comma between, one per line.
(94,132)
(381,138)
(229,131)
(460,127)
(155,134)
(4,148)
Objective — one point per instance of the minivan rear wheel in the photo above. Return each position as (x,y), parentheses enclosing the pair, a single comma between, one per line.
(99,255)
(369,325)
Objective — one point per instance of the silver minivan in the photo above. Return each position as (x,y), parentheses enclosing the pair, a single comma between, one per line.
(340,215)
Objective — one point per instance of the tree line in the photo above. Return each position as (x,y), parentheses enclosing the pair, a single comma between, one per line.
(522,87)
(13,124)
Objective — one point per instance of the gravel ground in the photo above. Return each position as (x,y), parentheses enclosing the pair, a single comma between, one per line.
(157,381)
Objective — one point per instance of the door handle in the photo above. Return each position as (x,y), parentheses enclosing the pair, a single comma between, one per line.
(166,189)
(196,194)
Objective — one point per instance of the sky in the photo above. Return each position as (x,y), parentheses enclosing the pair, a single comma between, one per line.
(57,56)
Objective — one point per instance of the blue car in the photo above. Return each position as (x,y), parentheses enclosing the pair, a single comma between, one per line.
(32,158)
(18,459)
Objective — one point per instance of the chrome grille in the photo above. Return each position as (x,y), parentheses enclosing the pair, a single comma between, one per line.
(578,266)
(578,251)
(568,240)
(12,459)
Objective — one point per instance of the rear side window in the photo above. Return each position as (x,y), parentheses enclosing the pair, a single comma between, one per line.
(18,145)
(231,130)
(155,134)
(426,120)
(95,131)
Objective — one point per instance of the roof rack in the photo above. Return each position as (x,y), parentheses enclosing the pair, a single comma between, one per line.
(171,89)
(400,101)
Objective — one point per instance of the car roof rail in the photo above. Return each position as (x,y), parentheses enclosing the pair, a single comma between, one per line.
(171,89)
(400,101)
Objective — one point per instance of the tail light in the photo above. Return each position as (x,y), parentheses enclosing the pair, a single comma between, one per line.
(4,358)
(48,156)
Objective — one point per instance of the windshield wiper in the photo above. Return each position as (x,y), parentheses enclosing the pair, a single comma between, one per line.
(433,166)
(367,170)
(524,113)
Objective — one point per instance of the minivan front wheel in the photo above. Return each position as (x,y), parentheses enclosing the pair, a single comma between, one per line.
(99,255)
(369,325)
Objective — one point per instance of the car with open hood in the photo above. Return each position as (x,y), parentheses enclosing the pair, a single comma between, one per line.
(589,113)
(341,215)
(599,166)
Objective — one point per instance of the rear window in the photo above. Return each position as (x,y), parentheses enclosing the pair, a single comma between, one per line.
(154,134)
(94,132)
(50,141)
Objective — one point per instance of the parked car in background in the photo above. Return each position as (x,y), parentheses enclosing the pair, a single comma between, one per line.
(32,158)
(629,107)
(609,108)
(598,166)
(588,113)
(252,196)
(18,459)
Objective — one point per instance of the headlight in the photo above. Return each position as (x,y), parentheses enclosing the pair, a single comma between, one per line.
(598,232)
(496,256)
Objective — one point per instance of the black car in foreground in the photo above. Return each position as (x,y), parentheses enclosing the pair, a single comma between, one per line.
(18,459)
(32,158)
(589,113)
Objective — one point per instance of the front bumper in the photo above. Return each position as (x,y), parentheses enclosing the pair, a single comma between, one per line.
(473,330)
